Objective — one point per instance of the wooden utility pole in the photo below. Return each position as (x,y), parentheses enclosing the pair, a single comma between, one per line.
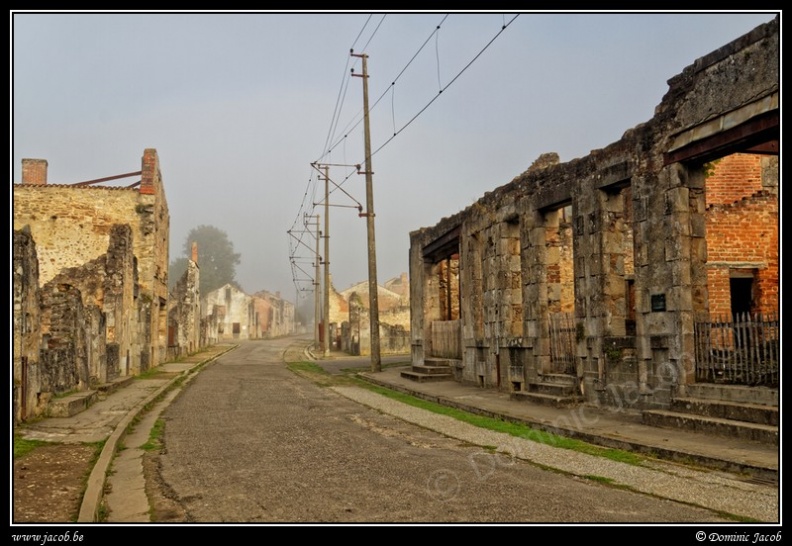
(326,321)
(376,363)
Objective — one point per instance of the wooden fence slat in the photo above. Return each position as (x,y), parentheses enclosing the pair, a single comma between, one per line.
(740,348)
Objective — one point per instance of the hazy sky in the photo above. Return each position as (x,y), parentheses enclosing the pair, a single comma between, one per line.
(238,106)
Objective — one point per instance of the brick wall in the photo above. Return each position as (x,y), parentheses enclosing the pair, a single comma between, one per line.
(742,231)
(733,177)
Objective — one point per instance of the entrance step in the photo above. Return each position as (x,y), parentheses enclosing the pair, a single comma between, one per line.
(106,389)
(74,403)
(433,369)
(556,390)
(547,399)
(71,404)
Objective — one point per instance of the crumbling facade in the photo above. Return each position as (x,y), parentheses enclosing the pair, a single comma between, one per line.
(275,315)
(100,287)
(185,331)
(26,327)
(235,312)
(350,323)
(604,272)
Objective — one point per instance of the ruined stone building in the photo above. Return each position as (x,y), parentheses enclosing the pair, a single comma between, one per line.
(275,315)
(186,333)
(90,281)
(350,326)
(231,313)
(607,274)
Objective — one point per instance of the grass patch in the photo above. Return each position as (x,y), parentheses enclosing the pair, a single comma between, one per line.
(155,436)
(103,513)
(307,367)
(23,446)
(317,374)
(151,373)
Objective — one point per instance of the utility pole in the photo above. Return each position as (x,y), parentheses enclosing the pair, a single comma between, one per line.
(327,265)
(316,284)
(376,363)
(317,288)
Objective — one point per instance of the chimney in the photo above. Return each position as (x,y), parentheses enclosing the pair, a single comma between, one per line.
(34,171)
(150,172)
(195,252)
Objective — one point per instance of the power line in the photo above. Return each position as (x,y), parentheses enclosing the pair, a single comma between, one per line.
(421,111)
(342,94)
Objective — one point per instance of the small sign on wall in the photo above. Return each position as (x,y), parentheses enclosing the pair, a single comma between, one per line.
(658,302)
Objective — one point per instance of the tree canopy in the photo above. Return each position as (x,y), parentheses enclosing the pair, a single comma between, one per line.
(217,260)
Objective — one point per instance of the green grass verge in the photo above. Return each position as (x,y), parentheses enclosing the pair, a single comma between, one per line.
(23,446)
(155,436)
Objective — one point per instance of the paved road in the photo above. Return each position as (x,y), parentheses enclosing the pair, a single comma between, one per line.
(249,441)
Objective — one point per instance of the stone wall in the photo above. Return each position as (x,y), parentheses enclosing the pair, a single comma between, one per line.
(184,316)
(26,327)
(350,320)
(77,330)
(356,334)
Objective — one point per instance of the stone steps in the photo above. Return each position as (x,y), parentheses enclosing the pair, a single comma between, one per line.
(74,403)
(749,413)
(71,404)
(433,369)
(556,390)
(711,425)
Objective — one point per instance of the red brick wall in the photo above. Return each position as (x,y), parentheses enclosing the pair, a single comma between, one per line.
(742,229)
(734,177)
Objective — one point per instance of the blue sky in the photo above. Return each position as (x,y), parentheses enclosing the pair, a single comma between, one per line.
(238,106)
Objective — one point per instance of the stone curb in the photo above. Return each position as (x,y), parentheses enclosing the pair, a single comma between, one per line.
(94,490)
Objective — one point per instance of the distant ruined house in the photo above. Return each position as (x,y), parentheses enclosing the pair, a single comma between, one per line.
(90,281)
(644,275)
(350,327)
(276,316)
(234,314)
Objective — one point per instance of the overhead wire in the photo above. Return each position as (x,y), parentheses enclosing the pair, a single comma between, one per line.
(328,149)
(390,87)
(294,243)
(422,110)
